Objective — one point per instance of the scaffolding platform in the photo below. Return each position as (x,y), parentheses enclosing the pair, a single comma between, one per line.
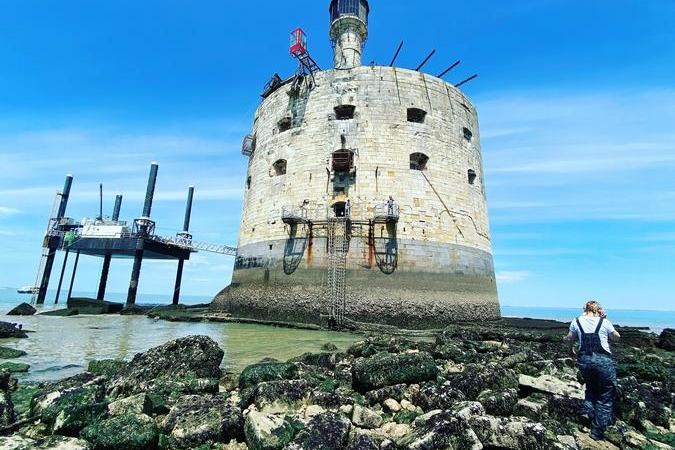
(386,213)
(126,247)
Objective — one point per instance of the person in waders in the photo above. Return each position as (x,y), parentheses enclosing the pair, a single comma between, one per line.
(594,359)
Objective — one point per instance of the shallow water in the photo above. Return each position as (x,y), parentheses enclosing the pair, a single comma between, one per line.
(63,346)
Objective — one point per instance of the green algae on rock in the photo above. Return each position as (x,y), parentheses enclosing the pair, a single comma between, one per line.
(14,367)
(125,432)
(10,353)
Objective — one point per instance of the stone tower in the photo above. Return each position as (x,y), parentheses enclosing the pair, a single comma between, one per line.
(318,238)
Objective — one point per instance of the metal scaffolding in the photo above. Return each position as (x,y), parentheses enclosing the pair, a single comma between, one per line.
(338,247)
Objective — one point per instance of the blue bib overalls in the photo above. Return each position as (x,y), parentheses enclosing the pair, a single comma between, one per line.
(597,367)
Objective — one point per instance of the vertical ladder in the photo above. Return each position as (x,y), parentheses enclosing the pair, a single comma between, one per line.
(338,246)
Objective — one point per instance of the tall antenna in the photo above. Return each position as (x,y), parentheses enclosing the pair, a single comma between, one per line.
(100,201)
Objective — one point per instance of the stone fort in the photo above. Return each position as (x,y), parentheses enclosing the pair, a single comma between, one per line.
(364,198)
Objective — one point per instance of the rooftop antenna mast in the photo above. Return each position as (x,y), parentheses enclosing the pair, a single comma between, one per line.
(463,82)
(100,201)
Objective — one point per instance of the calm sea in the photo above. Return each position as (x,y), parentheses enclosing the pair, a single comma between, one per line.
(61,346)
(656,321)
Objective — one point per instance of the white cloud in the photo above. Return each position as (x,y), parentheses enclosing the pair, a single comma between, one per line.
(579,156)
(7,211)
(512,276)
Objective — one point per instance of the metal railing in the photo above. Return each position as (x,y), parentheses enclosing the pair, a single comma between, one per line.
(387,211)
(299,214)
(178,241)
(248,145)
(189,244)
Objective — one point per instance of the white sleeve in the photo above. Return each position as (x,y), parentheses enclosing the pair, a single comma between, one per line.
(609,326)
(573,328)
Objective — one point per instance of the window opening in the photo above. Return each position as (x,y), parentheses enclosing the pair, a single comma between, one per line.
(343,160)
(345,112)
(472,176)
(279,168)
(248,182)
(418,161)
(340,209)
(284,124)
(468,135)
(416,115)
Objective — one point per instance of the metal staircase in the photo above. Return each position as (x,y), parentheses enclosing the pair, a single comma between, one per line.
(338,246)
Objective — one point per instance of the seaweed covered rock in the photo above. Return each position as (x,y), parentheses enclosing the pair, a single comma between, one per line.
(258,373)
(23,309)
(180,360)
(70,409)
(441,430)
(499,403)
(17,442)
(267,431)
(328,431)
(667,339)
(14,367)
(512,434)
(199,420)
(6,409)
(398,392)
(125,432)
(363,442)
(135,404)
(281,395)
(10,353)
(106,367)
(71,420)
(364,417)
(385,369)
(478,378)
(11,330)
(645,401)
(437,396)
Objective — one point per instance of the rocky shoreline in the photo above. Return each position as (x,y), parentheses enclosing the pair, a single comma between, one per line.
(503,385)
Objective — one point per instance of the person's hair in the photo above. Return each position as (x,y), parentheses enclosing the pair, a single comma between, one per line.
(593,307)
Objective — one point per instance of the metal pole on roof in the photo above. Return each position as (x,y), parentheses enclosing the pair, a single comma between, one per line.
(455,64)
(398,50)
(472,77)
(426,60)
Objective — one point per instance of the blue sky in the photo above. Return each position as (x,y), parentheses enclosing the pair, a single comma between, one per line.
(576,101)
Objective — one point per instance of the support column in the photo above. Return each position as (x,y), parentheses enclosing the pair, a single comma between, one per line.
(135,274)
(46,274)
(72,278)
(63,271)
(187,236)
(52,244)
(104,277)
(103,282)
(179,278)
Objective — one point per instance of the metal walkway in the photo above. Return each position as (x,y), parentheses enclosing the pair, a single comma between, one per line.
(191,245)
(338,246)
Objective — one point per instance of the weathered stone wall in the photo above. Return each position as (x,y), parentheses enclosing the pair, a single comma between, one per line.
(444,267)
